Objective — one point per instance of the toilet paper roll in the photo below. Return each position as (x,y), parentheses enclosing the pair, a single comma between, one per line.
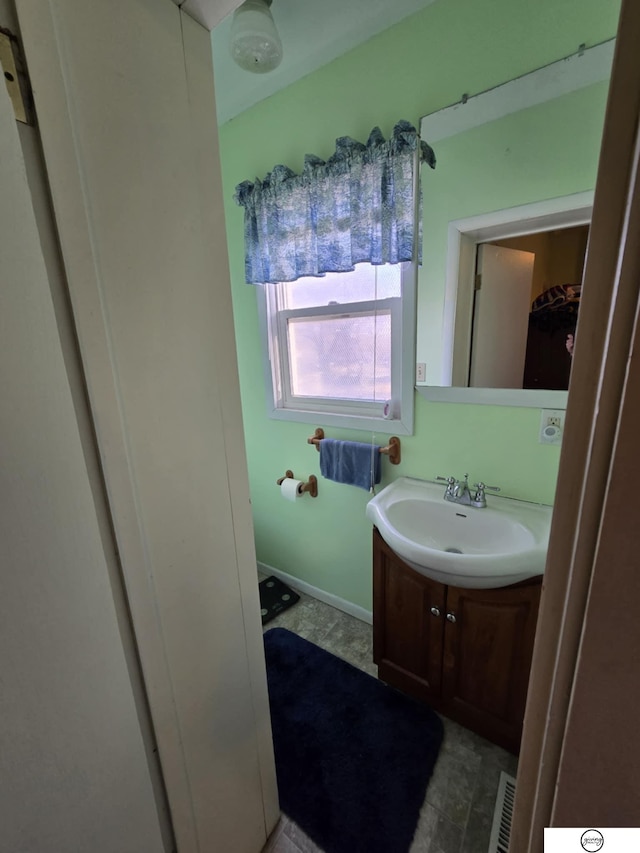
(291,489)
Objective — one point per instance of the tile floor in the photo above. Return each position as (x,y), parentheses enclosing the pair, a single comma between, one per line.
(457,813)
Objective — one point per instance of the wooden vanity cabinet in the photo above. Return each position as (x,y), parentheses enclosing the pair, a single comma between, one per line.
(465,652)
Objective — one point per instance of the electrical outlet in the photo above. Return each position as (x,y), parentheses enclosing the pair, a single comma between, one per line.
(551,426)
(421,371)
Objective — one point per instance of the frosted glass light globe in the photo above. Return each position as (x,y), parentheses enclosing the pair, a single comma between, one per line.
(255,43)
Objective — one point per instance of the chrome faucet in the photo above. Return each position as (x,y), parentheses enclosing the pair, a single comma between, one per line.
(458,492)
(461,493)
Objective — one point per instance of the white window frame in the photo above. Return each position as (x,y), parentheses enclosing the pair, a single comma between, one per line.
(347,414)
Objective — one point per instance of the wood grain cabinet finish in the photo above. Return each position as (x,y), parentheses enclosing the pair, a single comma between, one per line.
(465,652)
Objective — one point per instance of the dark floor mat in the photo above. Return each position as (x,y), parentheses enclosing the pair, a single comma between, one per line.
(275,597)
(353,756)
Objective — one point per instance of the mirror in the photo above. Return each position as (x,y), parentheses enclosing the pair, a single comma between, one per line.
(516,168)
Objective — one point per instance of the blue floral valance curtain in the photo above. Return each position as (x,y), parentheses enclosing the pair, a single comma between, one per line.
(356,207)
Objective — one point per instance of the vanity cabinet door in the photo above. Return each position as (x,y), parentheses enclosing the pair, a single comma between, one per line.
(488,645)
(408,613)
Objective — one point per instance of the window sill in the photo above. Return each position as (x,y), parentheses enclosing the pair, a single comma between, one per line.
(388,426)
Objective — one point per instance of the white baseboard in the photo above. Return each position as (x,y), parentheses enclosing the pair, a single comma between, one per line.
(320,594)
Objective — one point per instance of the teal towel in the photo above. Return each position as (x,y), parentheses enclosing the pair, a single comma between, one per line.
(352,462)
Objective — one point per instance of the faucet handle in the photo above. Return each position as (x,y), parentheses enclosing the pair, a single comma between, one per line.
(451,485)
(480,489)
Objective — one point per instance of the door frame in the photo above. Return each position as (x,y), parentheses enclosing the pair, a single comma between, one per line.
(601,407)
(194,786)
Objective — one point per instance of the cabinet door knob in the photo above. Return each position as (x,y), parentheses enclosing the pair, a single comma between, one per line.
(451,617)
(435,611)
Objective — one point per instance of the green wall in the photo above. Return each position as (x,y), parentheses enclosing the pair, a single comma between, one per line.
(414,68)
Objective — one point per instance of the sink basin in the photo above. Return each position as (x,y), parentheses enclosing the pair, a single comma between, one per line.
(501,544)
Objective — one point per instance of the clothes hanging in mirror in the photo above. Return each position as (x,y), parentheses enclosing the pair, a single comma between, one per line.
(554,315)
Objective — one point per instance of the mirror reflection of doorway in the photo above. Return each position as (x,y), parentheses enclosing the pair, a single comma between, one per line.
(525,306)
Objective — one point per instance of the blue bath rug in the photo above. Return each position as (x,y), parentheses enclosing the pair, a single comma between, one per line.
(353,756)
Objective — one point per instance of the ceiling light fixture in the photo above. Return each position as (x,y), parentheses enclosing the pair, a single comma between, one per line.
(255,43)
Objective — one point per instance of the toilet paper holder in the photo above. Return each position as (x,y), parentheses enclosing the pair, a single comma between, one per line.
(310,486)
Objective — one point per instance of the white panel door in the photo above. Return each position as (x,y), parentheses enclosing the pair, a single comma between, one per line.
(124,94)
(73,772)
(501,317)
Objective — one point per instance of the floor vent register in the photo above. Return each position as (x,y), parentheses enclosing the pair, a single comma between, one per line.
(501,829)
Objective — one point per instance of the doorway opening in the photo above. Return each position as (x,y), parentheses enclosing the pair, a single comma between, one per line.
(525,309)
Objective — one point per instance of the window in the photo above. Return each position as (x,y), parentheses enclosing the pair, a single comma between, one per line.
(339,349)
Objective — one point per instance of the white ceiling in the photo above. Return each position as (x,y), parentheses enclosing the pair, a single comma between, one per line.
(313,33)
(209,13)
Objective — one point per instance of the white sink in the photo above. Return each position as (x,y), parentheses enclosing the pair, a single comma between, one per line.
(500,544)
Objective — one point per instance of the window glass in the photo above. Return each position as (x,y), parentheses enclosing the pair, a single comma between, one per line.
(347,357)
(364,283)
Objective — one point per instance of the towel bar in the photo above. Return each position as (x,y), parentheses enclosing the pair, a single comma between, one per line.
(392,450)
(310,486)
(316,438)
